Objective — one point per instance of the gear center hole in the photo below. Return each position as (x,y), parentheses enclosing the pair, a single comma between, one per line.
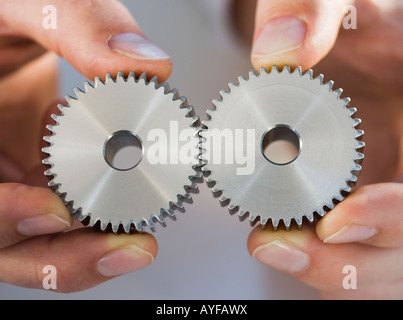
(123,150)
(281,145)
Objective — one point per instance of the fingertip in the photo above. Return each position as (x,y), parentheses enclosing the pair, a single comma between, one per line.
(114,62)
(283,250)
(370,215)
(127,253)
(298,236)
(279,42)
(26,199)
(294,33)
(352,211)
(144,241)
(111,41)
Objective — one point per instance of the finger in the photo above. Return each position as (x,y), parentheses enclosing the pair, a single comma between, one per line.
(48,120)
(96,37)
(295,32)
(82,258)
(17,51)
(9,170)
(30,211)
(371,215)
(303,255)
(36,177)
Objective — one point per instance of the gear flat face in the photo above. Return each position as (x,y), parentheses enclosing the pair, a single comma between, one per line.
(298,108)
(108,115)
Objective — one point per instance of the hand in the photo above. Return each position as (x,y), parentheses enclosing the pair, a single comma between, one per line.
(366,229)
(95,37)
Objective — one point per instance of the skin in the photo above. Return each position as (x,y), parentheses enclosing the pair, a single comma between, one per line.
(364,62)
(367,64)
(28,51)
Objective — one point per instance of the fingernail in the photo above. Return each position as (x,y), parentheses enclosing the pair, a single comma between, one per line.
(43,224)
(282,256)
(351,233)
(136,46)
(124,260)
(279,36)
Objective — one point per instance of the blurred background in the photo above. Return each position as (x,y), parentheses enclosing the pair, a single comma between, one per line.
(203,254)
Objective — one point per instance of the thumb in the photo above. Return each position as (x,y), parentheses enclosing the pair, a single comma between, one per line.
(295,32)
(95,37)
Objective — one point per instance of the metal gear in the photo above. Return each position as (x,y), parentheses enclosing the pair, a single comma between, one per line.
(81,173)
(328,162)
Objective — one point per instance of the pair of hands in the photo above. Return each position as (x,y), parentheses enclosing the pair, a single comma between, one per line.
(97,37)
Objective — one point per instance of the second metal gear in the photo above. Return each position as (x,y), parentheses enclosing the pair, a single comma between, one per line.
(321,123)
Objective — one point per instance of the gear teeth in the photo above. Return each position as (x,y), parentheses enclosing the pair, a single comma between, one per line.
(310,217)
(215,103)
(154,80)
(50,128)
(175,94)
(120,77)
(287,69)
(165,87)
(88,86)
(131,76)
(359,156)
(216,192)
(322,212)
(339,92)
(48,173)
(356,122)
(263,221)
(359,133)
(232,86)
(356,170)
(132,225)
(287,224)
(109,78)
(241,79)
(252,218)
(115,227)
(263,70)
(47,139)
(346,101)
(252,73)
(309,73)
(98,82)
(78,92)
(298,221)
(54,117)
(353,178)
(61,108)
(330,84)
(275,223)
(320,78)
(223,93)
(46,150)
(143,77)
(360,145)
(298,70)
(233,208)
(68,98)
(352,111)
